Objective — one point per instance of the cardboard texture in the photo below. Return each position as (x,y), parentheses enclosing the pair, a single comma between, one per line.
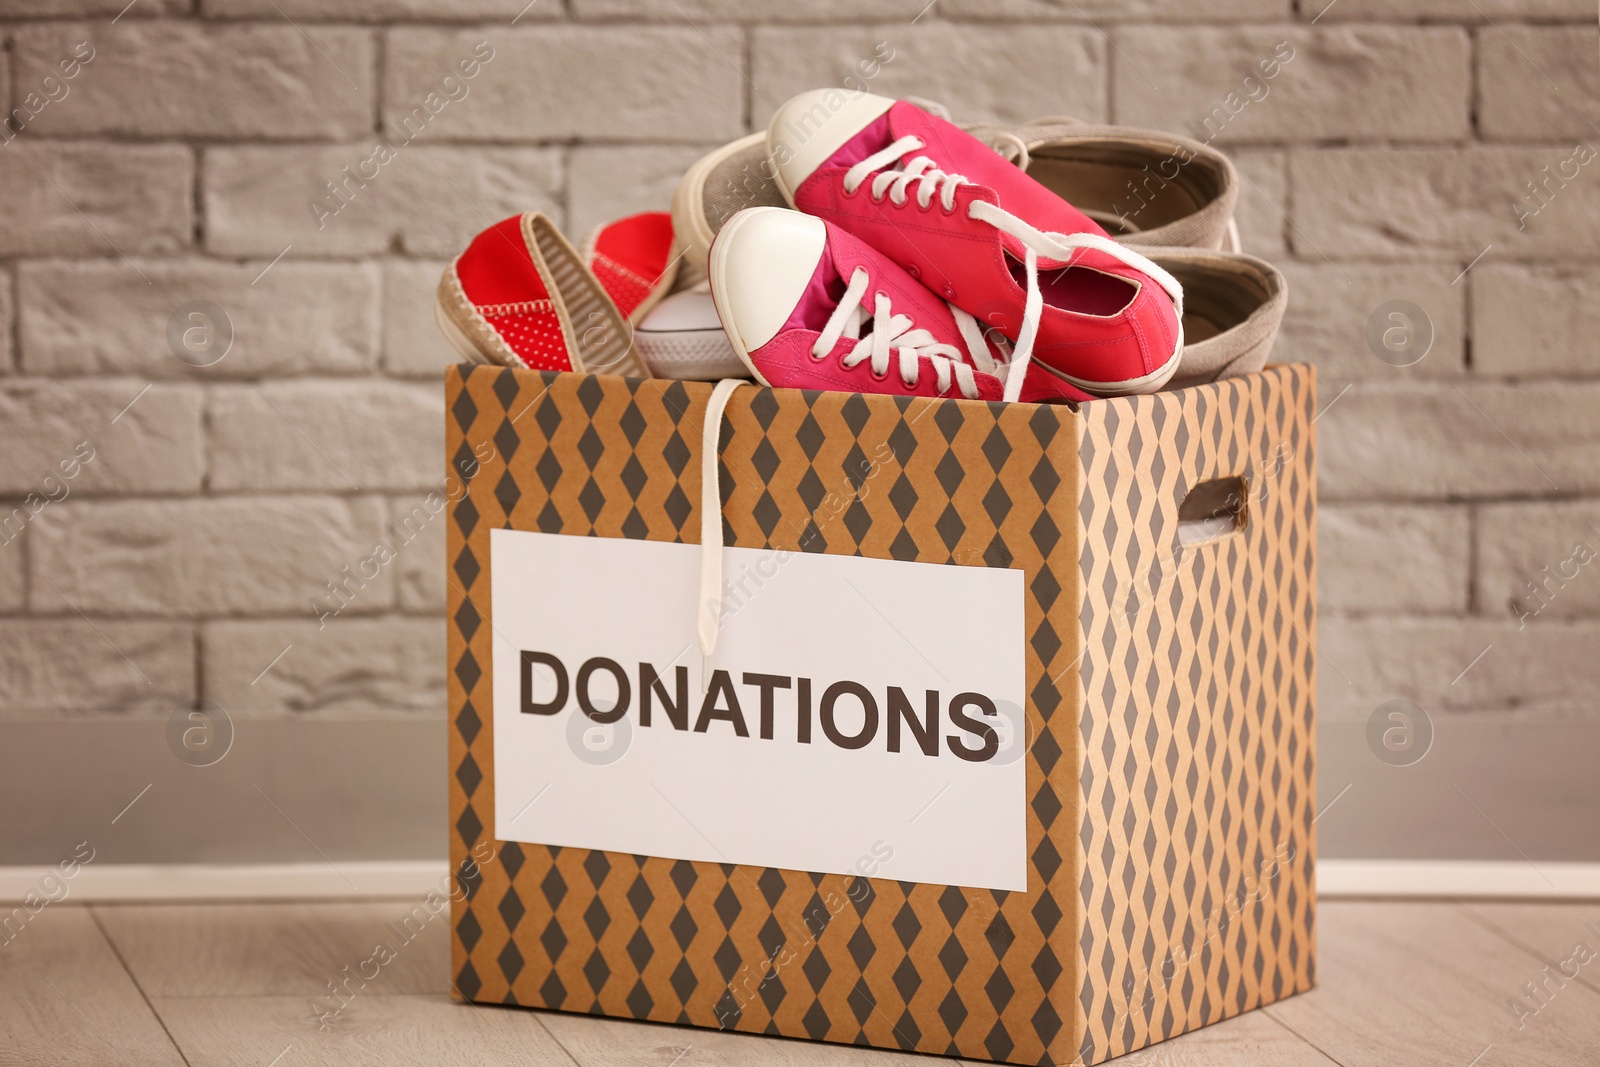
(1170,767)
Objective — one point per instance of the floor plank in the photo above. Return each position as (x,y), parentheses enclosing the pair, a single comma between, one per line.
(1565,936)
(376,1031)
(1425,984)
(247,985)
(298,949)
(594,1042)
(1253,1037)
(68,1001)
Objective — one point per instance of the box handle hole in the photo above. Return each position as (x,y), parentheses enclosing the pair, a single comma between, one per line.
(1213,510)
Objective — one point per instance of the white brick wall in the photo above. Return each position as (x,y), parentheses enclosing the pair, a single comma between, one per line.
(182,78)
(92,198)
(426,201)
(975,72)
(207,556)
(1407,203)
(82,313)
(1387,155)
(1413,81)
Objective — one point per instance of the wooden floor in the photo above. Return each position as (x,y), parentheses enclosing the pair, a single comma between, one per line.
(235,984)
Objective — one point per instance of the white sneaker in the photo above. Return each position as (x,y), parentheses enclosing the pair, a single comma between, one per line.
(683,338)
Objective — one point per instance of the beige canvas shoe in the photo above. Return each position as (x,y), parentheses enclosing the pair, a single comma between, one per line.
(1232,307)
(1144,187)
(714,190)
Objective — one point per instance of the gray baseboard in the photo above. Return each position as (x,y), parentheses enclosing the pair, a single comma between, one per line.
(305,791)
(1491,787)
(288,791)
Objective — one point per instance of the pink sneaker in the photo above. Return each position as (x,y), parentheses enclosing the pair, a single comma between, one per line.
(983,235)
(796,295)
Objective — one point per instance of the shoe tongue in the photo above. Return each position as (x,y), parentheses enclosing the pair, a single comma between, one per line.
(872,139)
(822,295)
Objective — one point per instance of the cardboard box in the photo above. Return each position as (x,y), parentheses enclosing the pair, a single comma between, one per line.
(1135,845)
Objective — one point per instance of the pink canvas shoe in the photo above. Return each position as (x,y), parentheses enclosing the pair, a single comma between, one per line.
(983,235)
(808,306)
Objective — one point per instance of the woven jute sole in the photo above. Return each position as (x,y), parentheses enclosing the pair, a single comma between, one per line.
(597,338)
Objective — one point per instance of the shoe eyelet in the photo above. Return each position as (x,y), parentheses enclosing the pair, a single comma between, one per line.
(851,194)
(949,291)
(913,270)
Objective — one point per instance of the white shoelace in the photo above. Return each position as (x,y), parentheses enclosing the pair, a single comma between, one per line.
(708,616)
(892,335)
(1061,247)
(918,169)
(896,335)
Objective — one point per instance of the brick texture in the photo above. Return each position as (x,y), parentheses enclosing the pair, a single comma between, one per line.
(711,10)
(412,347)
(1541,562)
(1380,559)
(1283,83)
(1528,321)
(425,200)
(973,74)
(71,665)
(101,317)
(1262,213)
(8,320)
(1395,442)
(1477,12)
(355,436)
(13,578)
(1333,306)
(633,83)
(199,557)
(1541,670)
(1424,203)
(1097,10)
(99,437)
(421,570)
(1538,82)
(495,11)
(170,78)
(79,8)
(189,160)
(348,664)
(610,182)
(95,199)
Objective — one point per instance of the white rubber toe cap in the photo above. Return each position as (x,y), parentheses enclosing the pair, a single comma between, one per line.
(761,265)
(813,126)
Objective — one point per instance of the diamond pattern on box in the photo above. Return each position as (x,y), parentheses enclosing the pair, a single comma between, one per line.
(1130,846)
(1209,913)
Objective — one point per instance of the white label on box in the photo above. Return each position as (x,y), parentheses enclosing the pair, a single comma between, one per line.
(863,716)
